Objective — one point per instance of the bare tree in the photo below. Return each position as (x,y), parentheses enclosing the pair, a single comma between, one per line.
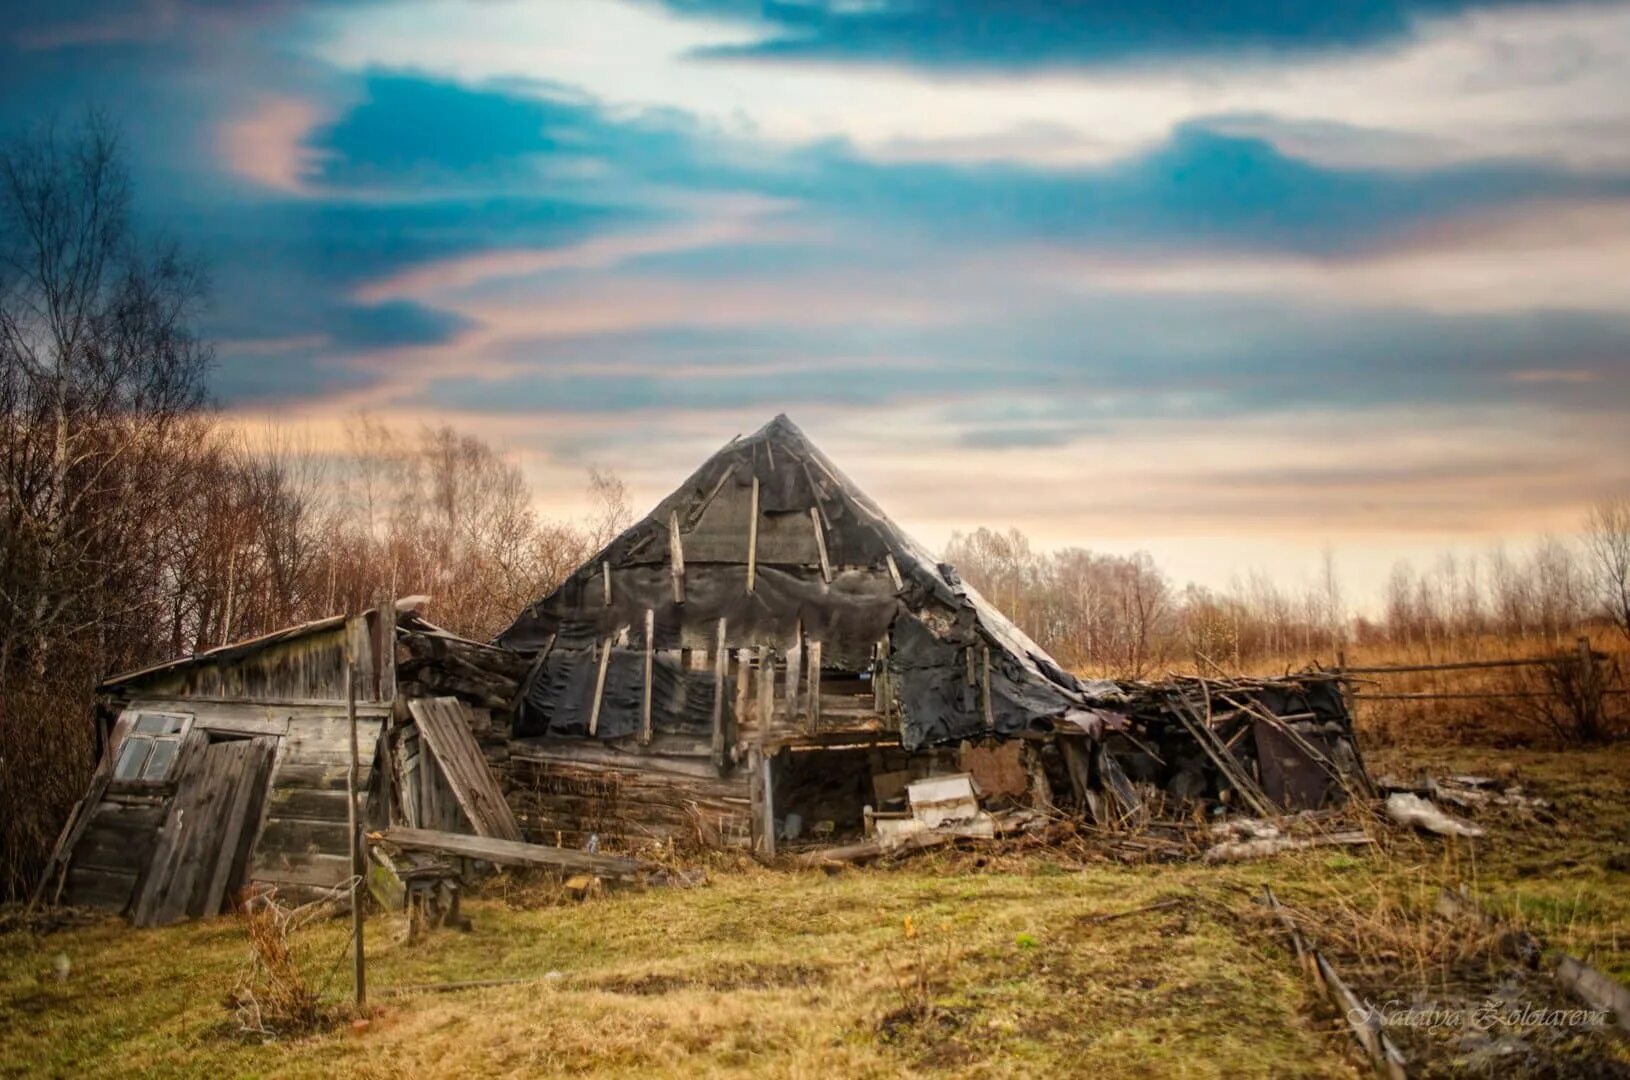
(1607,540)
(101,388)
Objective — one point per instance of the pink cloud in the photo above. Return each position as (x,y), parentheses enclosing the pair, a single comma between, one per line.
(268,145)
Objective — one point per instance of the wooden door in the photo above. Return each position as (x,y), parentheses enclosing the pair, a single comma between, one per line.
(201,858)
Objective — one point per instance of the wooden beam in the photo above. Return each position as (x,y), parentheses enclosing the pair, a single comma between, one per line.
(752,539)
(605,580)
(814,687)
(650,661)
(894,572)
(721,665)
(676,557)
(513,853)
(820,544)
(599,687)
(768,826)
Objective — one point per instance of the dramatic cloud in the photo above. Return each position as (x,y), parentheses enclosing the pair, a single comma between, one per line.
(1227,281)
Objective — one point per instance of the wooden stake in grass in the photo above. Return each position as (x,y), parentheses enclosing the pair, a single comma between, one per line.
(359,975)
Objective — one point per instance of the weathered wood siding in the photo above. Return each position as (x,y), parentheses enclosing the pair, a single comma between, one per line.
(306,667)
(304,843)
(579,787)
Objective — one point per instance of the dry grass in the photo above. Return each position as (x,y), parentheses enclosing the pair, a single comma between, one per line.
(1009,969)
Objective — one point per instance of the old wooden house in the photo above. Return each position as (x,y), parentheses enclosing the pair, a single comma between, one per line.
(765,647)
(765,657)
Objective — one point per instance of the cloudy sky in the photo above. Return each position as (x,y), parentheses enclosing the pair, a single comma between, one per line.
(1231,282)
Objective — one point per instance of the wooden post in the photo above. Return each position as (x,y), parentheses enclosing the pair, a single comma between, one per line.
(358,974)
(752,539)
(605,580)
(766,691)
(894,572)
(795,658)
(814,687)
(676,557)
(1348,698)
(820,544)
(721,664)
(599,687)
(650,664)
(768,826)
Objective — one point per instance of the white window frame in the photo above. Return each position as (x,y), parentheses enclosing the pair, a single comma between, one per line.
(137,747)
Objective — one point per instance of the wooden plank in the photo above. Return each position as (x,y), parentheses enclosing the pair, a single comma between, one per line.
(814,687)
(301,836)
(820,544)
(308,803)
(242,814)
(513,853)
(599,687)
(444,724)
(676,557)
(894,572)
(650,668)
(237,725)
(721,662)
(752,537)
(605,580)
(94,887)
(190,842)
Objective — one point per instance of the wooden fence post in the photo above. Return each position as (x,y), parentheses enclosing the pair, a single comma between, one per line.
(358,972)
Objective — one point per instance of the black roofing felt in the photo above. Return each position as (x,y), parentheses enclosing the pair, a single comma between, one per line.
(937,624)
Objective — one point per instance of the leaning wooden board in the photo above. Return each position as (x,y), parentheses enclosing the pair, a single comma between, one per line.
(444,724)
(514,853)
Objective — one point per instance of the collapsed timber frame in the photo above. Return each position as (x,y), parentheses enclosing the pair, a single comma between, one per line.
(764,660)
(766,656)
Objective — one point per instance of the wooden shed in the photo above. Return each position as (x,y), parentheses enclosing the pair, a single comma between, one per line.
(229,769)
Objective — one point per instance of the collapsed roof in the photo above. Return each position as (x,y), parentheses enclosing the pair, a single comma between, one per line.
(769,544)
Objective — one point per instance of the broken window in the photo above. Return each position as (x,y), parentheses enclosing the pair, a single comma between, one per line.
(150,749)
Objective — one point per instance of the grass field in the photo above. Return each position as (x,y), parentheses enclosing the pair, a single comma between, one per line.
(768,972)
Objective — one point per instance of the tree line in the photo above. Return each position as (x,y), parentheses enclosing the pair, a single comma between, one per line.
(1122,615)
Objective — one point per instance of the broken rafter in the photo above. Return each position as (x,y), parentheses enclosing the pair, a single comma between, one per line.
(650,661)
(752,538)
(676,557)
(599,687)
(820,545)
(1229,765)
